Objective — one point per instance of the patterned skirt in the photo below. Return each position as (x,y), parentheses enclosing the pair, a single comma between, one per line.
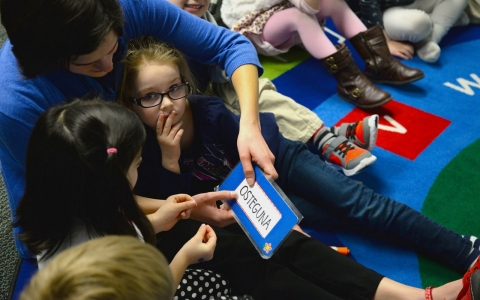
(255,21)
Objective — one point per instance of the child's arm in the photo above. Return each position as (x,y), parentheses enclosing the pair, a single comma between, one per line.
(169,137)
(199,248)
(148,205)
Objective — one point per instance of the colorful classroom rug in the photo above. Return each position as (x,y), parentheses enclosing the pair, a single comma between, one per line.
(428,149)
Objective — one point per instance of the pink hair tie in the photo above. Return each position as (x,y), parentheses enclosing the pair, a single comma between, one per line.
(112,150)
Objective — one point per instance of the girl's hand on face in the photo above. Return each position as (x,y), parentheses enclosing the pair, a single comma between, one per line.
(176,207)
(253,148)
(169,136)
(201,246)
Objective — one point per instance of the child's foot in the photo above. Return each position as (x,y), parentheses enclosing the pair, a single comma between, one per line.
(339,153)
(429,52)
(474,252)
(362,133)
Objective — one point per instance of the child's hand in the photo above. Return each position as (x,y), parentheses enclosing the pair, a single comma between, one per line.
(400,49)
(208,212)
(176,207)
(169,136)
(201,246)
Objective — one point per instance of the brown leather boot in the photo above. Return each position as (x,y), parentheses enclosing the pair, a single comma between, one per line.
(353,86)
(380,65)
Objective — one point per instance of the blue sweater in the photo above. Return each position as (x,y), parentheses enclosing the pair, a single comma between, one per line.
(210,159)
(22,101)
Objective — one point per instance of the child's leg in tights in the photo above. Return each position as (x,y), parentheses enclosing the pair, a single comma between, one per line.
(283,25)
(353,86)
(345,20)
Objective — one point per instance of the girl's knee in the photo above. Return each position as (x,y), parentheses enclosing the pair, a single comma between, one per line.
(411,25)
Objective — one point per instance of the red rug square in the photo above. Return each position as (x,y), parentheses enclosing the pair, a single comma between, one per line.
(403,129)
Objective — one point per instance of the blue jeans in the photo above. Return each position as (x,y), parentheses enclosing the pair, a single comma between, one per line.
(331,200)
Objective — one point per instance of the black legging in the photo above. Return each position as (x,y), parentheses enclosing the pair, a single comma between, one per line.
(302,268)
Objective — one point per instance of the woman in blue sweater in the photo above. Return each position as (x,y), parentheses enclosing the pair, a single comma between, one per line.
(190,148)
(60,49)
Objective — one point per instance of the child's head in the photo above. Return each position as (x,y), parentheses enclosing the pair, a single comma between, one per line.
(112,267)
(195,7)
(81,166)
(151,70)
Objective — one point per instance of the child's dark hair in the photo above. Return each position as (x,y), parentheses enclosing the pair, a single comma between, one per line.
(46,34)
(147,50)
(70,177)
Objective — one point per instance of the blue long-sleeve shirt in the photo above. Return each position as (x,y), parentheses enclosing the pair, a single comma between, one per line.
(22,101)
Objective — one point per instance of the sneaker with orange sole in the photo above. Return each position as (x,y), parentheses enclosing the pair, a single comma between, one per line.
(363,133)
(343,154)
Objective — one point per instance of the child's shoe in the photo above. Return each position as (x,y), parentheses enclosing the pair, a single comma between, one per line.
(363,133)
(471,283)
(342,154)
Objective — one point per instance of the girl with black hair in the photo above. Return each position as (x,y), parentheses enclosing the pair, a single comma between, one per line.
(82,163)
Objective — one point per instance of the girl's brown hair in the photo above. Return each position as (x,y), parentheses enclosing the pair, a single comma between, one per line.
(148,50)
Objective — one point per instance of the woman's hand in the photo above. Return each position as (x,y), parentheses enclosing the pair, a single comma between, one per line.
(201,246)
(252,147)
(169,136)
(176,207)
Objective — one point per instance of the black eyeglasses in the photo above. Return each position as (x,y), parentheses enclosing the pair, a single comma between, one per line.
(154,99)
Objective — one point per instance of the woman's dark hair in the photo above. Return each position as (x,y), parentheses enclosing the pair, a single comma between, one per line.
(70,177)
(46,34)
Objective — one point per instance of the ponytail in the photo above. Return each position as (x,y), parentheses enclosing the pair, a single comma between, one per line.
(76,171)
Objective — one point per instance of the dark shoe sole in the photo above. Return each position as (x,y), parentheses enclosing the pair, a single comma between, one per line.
(383,81)
(363,105)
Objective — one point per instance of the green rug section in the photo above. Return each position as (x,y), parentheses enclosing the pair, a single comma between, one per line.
(275,66)
(453,203)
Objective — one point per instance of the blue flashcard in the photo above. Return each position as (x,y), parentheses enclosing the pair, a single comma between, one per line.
(263,211)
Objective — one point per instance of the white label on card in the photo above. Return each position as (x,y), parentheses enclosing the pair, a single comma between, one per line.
(259,209)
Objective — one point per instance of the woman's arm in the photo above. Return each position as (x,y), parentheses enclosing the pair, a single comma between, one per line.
(250,143)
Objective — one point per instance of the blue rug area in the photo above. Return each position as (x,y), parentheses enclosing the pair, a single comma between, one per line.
(427,125)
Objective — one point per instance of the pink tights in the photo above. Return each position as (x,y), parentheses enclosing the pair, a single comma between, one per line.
(283,25)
